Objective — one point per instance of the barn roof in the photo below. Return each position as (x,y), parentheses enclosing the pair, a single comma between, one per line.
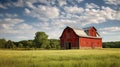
(83,33)
(87,28)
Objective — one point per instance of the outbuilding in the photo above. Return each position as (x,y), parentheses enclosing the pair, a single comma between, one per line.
(74,38)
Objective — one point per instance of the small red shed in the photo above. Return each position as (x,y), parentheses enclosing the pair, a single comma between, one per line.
(74,38)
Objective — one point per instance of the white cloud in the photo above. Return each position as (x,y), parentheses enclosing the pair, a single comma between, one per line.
(8,23)
(27,11)
(2,6)
(22,37)
(5,26)
(88,15)
(44,12)
(110,33)
(53,28)
(74,9)
(97,16)
(42,25)
(104,32)
(17,34)
(30,5)
(108,13)
(117,15)
(79,1)
(19,3)
(49,10)
(12,20)
(53,34)
(10,15)
(24,26)
(91,14)
(53,19)
(74,2)
(111,29)
(62,2)
(8,31)
(91,5)
(67,21)
(114,2)
(12,26)
(46,2)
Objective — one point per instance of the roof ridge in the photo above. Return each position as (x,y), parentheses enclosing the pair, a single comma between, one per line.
(81,32)
(75,28)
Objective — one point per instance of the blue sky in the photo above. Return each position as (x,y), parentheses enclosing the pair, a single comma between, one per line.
(20,19)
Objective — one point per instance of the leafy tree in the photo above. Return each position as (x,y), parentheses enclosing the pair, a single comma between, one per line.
(16,44)
(41,40)
(24,42)
(30,43)
(54,43)
(9,44)
(2,43)
(20,45)
(111,44)
(47,46)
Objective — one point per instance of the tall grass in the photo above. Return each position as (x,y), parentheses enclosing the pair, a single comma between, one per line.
(60,58)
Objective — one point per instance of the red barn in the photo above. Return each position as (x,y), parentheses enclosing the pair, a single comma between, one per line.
(74,38)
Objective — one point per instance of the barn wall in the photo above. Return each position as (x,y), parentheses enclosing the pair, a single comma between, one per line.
(90,42)
(67,37)
(92,32)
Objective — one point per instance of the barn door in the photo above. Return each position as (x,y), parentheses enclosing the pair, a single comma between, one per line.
(68,45)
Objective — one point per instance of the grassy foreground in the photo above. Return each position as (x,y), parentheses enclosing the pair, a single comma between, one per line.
(60,58)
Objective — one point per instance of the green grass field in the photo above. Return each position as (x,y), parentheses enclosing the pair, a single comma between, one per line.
(60,58)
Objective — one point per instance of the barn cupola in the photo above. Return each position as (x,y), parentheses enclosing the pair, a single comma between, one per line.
(91,31)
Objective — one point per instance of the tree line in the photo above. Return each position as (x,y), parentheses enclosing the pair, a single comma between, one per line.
(111,44)
(40,41)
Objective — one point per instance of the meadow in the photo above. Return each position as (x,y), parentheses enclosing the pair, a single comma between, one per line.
(60,58)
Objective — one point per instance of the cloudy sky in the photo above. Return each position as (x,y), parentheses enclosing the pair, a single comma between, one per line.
(20,19)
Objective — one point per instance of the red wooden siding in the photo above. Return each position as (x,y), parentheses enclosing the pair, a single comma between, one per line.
(69,36)
(92,32)
(70,39)
(90,43)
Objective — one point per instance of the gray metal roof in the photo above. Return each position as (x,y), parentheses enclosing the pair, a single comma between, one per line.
(87,28)
(83,33)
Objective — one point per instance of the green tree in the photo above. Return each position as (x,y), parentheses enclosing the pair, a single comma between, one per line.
(30,43)
(47,46)
(41,40)
(20,45)
(111,44)
(55,43)
(9,44)
(24,42)
(2,43)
